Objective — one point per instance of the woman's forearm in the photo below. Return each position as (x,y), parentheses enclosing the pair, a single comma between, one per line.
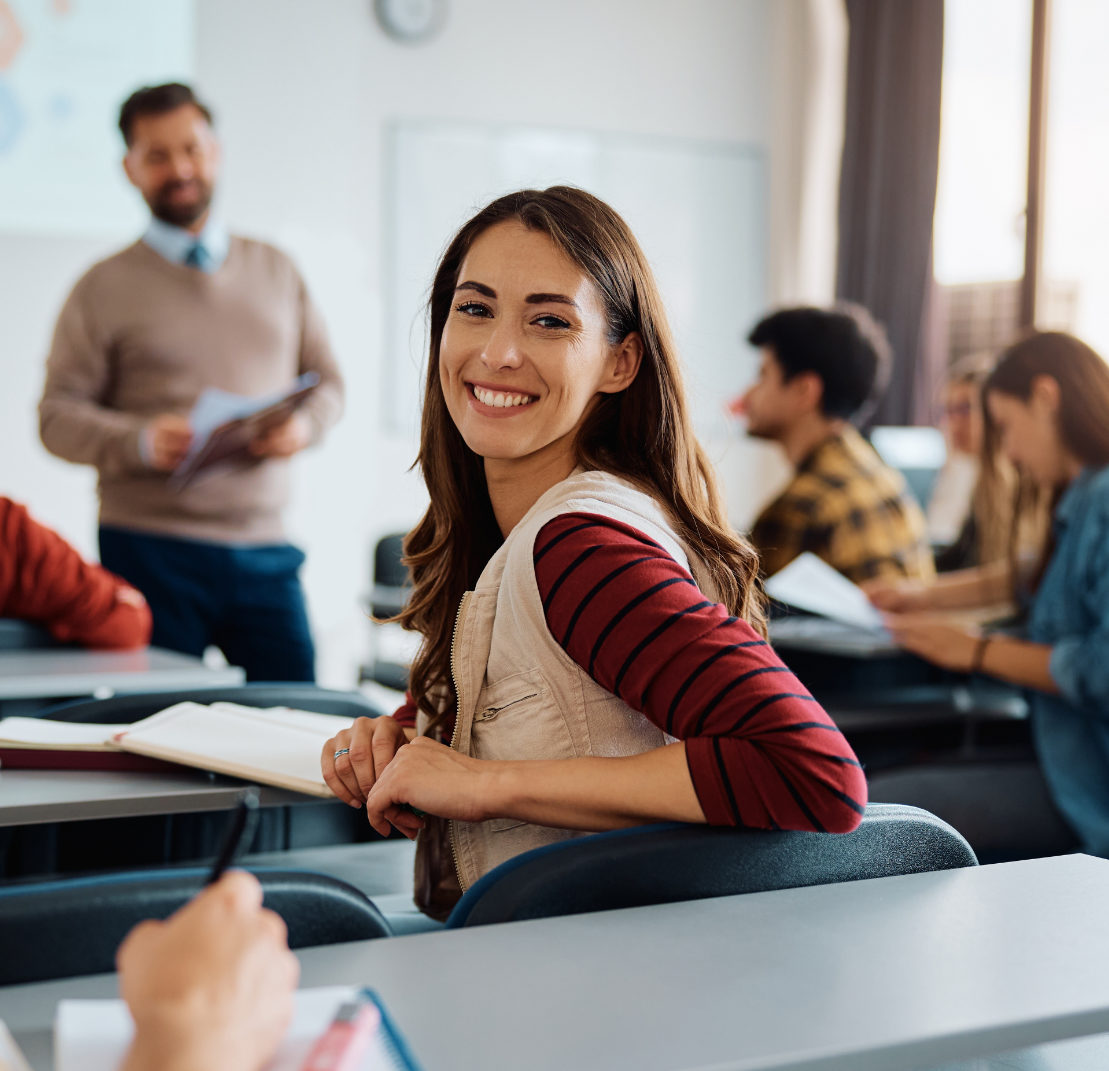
(598,793)
(984,585)
(1019,662)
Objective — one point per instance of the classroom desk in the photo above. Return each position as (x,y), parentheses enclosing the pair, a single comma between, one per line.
(893,973)
(69,671)
(865,681)
(32,797)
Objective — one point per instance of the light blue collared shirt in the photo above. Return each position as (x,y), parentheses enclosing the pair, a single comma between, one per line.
(1070,611)
(175,243)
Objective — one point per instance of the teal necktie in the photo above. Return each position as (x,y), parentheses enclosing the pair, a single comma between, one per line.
(197,257)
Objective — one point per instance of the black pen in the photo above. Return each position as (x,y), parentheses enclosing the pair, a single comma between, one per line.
(239,831)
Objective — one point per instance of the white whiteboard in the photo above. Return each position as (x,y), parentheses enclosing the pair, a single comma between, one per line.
(696,207)
(65,69)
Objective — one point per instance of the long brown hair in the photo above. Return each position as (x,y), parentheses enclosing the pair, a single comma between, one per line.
(991,504)
(642,433)
(1083,420)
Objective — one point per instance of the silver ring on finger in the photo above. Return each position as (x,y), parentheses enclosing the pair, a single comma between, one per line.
(341,751)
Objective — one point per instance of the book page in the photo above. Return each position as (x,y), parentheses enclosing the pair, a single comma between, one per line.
(328,724)
(810,583)
(93,1035)
(275,747)
(41,733)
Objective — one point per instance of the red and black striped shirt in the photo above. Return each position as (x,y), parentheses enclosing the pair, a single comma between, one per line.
(762,753)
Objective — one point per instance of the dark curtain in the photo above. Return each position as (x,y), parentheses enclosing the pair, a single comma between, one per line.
(887,192)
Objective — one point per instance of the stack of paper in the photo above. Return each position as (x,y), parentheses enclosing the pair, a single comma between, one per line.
(93,1035)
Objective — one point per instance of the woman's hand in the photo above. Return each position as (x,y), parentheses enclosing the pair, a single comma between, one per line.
(373,742)
(898,596)
(210,987)
(431,777)
(936,641)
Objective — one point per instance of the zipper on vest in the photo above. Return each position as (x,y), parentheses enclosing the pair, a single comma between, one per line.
(489,713)
(457,718)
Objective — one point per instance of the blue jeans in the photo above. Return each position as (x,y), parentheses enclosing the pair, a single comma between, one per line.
(246,600)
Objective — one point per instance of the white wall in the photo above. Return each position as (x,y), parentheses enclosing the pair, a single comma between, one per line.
(302,94)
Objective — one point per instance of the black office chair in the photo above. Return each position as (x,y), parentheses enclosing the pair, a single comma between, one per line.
(660,864)
(391,587)
(58,929)
(124,709)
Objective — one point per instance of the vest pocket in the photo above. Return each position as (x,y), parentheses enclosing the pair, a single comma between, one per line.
(518,718)
(489,713)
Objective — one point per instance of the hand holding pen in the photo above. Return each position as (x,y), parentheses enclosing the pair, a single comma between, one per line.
(240,830)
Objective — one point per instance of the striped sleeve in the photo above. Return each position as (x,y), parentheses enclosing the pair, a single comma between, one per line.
(762,752)
(406,713)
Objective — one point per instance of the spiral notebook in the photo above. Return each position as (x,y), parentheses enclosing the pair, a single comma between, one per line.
(93,1035)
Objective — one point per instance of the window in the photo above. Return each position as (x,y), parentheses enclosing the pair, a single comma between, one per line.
(1005,161)
(1074,294)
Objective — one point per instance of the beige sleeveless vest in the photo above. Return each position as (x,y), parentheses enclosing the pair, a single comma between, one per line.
(520,696)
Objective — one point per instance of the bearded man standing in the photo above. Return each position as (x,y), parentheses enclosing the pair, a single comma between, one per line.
(187,307)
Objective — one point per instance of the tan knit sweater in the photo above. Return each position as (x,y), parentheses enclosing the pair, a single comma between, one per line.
(140,336)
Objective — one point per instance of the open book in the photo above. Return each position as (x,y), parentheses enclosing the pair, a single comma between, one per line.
(225,424)
(93,1035)
(276,746)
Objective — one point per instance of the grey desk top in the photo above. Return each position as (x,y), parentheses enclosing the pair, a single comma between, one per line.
(66,671)
(894,973)
(31,797)
(822,635)
(861,700)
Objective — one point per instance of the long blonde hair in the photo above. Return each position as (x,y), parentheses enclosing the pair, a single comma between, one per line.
(643,433)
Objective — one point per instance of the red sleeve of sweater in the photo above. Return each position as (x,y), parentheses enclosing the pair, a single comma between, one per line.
(405,714)
(762,752)
(44,580)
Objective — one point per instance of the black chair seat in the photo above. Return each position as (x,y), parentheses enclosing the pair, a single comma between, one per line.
(58,929)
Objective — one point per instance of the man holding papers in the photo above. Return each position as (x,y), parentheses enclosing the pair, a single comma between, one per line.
(819,370)
(144,333)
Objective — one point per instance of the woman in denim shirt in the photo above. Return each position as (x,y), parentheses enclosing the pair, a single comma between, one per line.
(1047,409)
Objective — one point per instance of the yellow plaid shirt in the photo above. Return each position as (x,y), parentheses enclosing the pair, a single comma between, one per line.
(851,509)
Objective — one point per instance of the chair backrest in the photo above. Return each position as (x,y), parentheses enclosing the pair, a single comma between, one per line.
(392,583)
(660,864)
(17,635)
(57,929)
(123,709)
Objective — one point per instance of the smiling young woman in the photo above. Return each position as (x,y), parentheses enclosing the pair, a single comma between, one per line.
(593,639)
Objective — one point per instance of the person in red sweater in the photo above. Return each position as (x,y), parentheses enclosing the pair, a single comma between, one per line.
(594,647)
(45,581)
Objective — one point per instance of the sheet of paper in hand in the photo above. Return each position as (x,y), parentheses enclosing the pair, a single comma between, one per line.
(809,583)
(225,424)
